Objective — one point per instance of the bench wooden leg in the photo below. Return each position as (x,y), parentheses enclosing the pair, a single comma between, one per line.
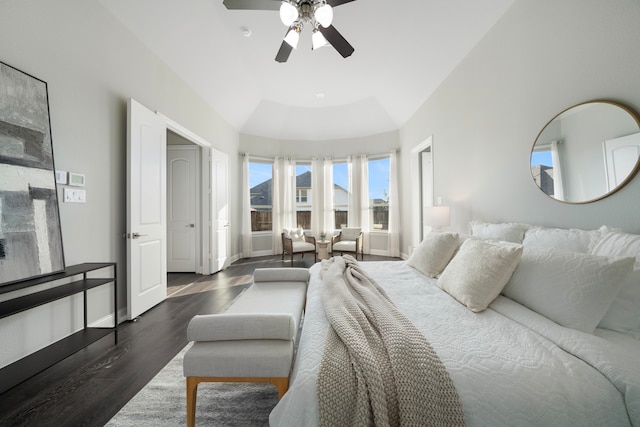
(192,391)
(281,383)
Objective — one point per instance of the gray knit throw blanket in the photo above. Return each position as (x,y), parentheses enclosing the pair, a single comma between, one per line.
(377,368)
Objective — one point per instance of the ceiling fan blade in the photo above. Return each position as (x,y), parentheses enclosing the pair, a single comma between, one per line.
(337,41)
(334,3)
(284,52)
(253,4)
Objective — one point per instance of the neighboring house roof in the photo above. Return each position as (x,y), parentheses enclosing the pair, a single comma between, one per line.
(261,193)
(543,176)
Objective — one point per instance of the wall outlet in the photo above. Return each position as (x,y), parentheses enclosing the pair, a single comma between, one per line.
(75,195)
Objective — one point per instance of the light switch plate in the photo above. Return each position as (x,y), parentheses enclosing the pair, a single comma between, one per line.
(75,195)
(61,177)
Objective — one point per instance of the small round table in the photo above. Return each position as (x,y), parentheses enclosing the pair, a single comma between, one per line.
(323,249)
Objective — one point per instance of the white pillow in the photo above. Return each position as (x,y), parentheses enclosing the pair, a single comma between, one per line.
(624,313)
(478,272)
(572,289)
(617,243)
(433,254)
(559,238)
(508,232)
(296,234)
(350,233)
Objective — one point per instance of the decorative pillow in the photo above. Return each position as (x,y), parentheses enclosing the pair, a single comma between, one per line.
(559,238)
(296,234)
(508,232)
(624,313)
(478,272)
(433,254)
(350,233)
(572,289)
(617,243)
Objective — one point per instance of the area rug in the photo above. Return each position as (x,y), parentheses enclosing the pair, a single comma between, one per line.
(162,402)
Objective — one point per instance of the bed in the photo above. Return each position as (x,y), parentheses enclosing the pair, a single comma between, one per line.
(510,364)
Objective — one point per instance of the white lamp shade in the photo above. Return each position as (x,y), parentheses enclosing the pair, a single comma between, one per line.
(324,15)
(436,216)
(292,38)
(317,40)
(288,13)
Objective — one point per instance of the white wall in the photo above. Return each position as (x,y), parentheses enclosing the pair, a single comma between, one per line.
(92,65)
(540,58)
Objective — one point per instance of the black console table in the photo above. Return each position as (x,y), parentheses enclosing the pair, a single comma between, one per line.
(30,365)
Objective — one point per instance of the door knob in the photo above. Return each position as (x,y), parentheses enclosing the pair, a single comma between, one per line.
(190,225)
(136,235)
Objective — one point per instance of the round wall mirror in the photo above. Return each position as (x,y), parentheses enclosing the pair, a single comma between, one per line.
(587,152)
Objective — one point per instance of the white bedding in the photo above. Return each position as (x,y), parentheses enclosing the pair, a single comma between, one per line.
(510,365)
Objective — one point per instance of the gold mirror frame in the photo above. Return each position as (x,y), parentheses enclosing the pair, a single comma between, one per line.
(589,125)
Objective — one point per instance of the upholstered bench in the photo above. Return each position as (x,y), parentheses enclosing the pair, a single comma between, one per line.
(253,341)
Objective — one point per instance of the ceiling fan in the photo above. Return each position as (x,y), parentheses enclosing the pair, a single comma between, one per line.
(294,14)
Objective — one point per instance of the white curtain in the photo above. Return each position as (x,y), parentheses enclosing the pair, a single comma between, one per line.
(359,209)
(284,199)
(365,208)
(289,219)
(317,197)
(328,218)
(558,184)
(353,171)
(276,200)
(394,207)
(247,245)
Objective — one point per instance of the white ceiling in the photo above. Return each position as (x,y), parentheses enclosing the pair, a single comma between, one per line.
(403,51)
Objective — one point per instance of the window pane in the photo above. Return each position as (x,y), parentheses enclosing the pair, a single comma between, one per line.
(379,193)
(303,195)
(260,182)
(340,194)
(542,170)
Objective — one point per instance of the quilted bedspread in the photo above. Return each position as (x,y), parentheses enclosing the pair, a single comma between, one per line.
(510,365)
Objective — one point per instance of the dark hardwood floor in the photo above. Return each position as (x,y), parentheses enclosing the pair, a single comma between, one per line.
(91,386)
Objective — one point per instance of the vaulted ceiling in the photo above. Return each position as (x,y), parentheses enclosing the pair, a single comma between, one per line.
(403,51)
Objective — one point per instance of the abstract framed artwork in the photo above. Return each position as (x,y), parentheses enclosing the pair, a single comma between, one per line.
(30,234)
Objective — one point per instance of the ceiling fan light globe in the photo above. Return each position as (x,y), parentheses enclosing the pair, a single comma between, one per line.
(317,40)
(324,15)
(292,38)
(288,13)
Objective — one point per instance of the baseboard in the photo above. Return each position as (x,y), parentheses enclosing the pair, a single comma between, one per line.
(255,254)
(107,321)
(232,259)
(378,252)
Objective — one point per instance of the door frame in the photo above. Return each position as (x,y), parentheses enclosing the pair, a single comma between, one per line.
(417,179)
(205,251)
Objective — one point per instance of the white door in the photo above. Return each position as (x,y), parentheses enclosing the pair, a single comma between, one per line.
(182,224)
(621,156)
(146,209)
(220,186)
